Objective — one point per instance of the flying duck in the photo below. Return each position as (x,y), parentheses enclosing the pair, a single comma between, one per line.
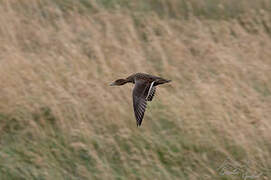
(144,90)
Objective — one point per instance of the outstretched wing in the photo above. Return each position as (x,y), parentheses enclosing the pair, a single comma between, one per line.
(139,100)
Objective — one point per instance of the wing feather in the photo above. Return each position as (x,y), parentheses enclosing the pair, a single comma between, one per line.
(152,93)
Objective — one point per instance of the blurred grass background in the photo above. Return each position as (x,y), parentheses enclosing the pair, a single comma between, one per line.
(60,119)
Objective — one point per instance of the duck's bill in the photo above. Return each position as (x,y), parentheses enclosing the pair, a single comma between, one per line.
(112,84)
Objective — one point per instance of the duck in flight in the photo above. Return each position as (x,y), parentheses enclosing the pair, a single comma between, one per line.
(144,90)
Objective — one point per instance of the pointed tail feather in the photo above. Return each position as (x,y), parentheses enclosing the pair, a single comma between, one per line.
(162,81)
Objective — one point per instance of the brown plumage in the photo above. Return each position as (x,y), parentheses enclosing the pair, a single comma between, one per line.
(144,90)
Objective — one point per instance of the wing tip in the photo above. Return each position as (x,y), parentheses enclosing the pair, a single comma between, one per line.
(138,123)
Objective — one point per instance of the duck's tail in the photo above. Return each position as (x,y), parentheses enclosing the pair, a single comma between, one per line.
(162,81)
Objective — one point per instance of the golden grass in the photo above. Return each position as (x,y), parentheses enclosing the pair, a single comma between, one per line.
(60,119)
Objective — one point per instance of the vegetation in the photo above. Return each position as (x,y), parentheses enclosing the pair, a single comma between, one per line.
(60,119)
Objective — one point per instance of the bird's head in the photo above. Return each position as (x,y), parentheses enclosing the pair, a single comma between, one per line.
(119,82)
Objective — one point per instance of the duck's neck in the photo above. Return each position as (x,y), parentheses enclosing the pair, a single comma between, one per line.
(130,80)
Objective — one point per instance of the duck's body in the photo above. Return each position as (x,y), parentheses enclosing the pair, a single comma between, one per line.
(144,90)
